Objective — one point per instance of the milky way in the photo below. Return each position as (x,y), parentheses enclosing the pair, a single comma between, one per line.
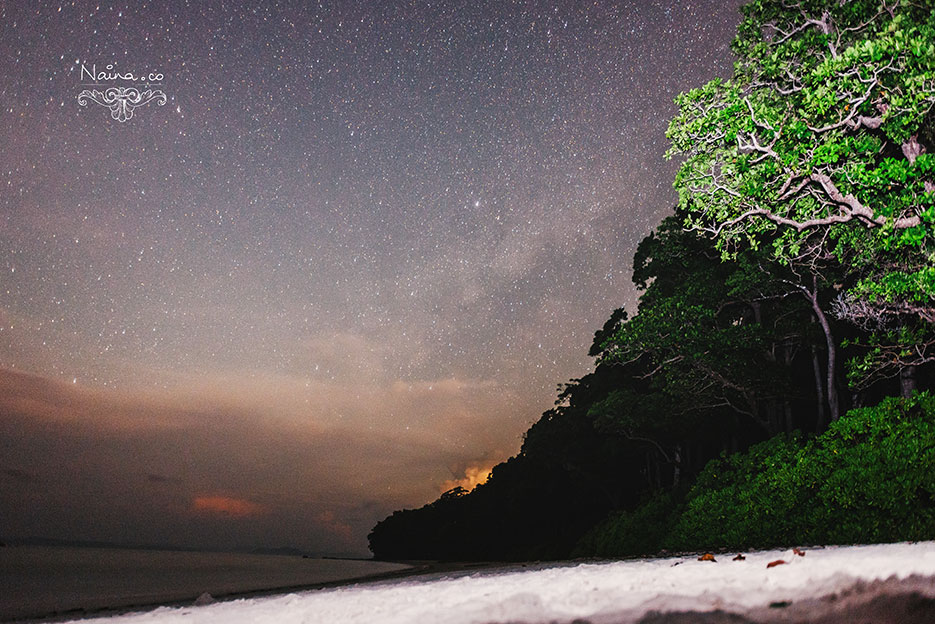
(349,258)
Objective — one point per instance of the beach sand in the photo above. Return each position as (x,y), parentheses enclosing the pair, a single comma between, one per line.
(882,584)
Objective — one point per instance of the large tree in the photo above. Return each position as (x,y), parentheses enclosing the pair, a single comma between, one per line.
(818,144)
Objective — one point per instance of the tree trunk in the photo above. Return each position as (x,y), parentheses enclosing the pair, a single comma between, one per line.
(650,476)
(786,405)
(907,381)
(832,390)
(821,422)
(831,387)
(676,466)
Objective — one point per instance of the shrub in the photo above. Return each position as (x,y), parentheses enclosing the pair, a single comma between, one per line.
(632,533)
(869,478)
(742,499)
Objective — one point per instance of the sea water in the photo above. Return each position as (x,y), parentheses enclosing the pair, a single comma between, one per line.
(40,581)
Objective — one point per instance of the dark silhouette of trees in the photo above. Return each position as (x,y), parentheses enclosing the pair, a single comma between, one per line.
(795,281)
(719,356)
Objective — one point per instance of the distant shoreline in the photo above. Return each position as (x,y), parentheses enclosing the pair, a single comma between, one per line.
(424,570)
(49,583)
(54,542)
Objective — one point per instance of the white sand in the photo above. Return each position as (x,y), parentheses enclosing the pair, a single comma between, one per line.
(596,592)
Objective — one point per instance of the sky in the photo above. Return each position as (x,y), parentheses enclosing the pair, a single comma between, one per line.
(342,268)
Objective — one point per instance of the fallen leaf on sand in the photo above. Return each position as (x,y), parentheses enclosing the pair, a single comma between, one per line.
(796,551)
(707,557)
(773,564)
(739,558)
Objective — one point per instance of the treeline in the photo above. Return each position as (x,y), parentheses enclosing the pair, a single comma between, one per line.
(720,356)
(771,386)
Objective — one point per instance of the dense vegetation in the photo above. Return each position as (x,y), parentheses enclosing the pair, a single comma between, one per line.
(793,287)
(868,478)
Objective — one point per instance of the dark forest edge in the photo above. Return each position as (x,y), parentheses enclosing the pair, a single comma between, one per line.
(772,387)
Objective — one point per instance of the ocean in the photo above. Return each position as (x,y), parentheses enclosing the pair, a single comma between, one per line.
(44,582)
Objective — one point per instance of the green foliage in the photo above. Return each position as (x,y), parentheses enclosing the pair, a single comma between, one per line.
(633,533)
(885,353)
(869,478)
(742,500)
(821,145)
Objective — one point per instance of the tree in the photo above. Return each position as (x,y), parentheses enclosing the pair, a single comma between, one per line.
(714,342)
(819,145)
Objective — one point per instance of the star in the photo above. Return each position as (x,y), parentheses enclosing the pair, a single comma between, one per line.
(359,198)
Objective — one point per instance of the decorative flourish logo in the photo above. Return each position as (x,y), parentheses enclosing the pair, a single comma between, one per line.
(121,100)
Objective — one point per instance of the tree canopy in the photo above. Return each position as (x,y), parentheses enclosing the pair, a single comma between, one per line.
(820,146)
(818,127)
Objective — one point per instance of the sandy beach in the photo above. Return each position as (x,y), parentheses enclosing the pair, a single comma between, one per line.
(878,583)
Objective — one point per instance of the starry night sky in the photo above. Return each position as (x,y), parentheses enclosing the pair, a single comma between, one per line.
(344,266)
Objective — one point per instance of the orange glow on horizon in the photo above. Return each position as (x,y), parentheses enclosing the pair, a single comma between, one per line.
(474,475)
(235,507)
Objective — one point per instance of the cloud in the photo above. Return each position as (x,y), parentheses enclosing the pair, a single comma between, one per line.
(309,463)
(226,505)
